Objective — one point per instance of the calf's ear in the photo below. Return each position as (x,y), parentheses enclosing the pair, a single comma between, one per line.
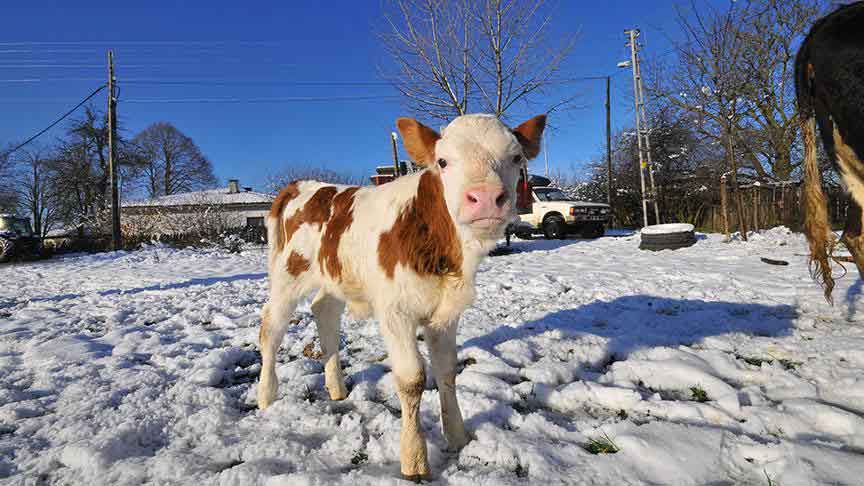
(419,140)
(529,134)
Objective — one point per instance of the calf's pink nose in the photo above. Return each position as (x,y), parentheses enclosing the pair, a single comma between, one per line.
(482,203)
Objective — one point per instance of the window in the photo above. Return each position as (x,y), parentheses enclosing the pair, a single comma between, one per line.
(550,194)
(258,221)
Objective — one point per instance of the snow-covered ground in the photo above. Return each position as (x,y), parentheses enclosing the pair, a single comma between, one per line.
(702,366)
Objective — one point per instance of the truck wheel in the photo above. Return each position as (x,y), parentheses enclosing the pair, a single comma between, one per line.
(5,250)
(554,228)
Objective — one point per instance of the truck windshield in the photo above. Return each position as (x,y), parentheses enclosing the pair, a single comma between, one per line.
(550,194)
(21,226)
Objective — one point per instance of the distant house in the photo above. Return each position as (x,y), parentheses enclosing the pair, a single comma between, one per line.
(233,206)
(384,173)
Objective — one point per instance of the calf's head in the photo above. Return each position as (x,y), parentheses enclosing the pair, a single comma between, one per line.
(479,160)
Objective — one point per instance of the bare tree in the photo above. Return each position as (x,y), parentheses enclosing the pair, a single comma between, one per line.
(34,184)
(769,130)
(7,195)
(454,56)
(275,182)
(173,163)
(708,81)
(80,163)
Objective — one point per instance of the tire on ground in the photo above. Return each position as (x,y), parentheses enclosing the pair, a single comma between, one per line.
(667,237)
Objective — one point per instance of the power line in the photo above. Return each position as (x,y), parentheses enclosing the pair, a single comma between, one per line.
(146,43)
(291,99)
(49,127)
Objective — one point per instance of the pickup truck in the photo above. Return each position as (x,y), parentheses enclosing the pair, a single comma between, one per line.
(551,212)
(17,239)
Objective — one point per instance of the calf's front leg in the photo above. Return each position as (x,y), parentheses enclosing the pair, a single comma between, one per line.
(410,378)
(442,353)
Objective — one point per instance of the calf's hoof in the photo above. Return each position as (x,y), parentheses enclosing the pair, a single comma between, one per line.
(416,472)
(416,478)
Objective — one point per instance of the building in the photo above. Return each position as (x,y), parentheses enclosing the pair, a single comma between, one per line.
(226,207)
(384,173)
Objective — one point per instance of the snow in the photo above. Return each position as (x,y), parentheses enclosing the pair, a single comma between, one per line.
(703,366)
(210,196)
(660,229)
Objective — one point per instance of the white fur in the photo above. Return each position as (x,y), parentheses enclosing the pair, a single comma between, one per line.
(479,149)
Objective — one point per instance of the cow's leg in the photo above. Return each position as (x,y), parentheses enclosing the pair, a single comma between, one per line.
(852,237)
(410,379)
(328,312)
(852,171)
(442,354)
(275,317)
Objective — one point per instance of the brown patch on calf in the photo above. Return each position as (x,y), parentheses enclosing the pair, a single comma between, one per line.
(297,264)
(340,220)
(423,237)
(315,211)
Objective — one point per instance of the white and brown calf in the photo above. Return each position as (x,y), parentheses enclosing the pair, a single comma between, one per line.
(405,252)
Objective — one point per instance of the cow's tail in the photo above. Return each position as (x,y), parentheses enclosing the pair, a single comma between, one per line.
(275,235)
(816,225)
(274,221)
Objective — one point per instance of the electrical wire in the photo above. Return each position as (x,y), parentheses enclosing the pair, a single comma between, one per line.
(49,127)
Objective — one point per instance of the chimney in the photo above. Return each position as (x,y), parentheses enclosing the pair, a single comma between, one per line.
(233,186)
(247,189)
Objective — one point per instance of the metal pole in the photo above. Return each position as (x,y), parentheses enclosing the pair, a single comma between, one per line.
(632,35)
(116,237)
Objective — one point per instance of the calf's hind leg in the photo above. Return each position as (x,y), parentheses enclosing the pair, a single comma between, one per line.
(275,317)
(328,312)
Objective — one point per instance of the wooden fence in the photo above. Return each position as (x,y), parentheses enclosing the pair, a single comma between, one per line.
(767,206)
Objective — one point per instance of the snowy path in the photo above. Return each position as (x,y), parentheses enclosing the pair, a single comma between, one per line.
(703,366)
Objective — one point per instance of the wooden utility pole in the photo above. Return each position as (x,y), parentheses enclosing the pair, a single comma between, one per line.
(609,147)
(642,138)
(545,136)
(396,171)
(116,237)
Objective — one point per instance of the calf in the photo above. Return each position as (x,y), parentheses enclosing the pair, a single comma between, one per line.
(829,80)
(405,252)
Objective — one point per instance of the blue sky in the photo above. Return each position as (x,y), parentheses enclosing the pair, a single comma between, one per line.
(52,54)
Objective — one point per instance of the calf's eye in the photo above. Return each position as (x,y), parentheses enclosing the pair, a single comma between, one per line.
(442,163)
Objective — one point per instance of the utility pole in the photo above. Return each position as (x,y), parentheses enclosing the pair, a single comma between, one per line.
(642,130)
(116,237)
(546,151)
(609,144)
(396,171)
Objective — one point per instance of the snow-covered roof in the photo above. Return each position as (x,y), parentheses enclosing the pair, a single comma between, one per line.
(222,196)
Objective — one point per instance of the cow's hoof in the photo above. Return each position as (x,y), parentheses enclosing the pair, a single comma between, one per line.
(416,478)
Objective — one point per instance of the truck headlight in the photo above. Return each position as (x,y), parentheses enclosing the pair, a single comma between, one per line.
(574,211)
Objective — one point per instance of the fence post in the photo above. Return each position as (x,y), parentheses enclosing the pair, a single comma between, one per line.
(756,201)
(724,207)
